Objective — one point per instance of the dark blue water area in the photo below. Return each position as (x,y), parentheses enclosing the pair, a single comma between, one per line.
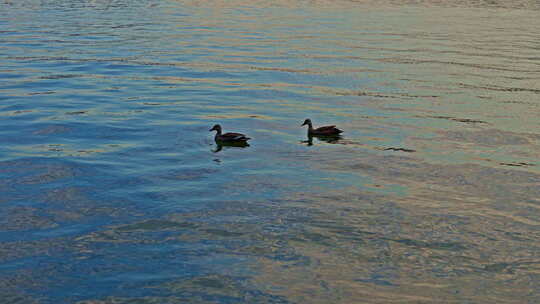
(46,186)
(133,271)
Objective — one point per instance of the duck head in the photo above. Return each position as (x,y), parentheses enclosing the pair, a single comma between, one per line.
(216,128)
(307,122)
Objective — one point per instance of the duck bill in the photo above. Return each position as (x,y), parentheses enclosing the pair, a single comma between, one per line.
(303,124)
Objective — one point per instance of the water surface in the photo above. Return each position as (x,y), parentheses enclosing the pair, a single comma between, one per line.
(113,190)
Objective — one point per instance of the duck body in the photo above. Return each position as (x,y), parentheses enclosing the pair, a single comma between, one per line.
(321,131)
(232,138)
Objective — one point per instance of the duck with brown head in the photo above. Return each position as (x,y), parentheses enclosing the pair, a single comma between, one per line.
(321,131)
(229,138)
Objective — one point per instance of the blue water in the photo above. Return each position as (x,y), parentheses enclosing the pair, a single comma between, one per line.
(114,191)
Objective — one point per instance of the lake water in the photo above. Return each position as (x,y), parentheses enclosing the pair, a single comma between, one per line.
(113,190)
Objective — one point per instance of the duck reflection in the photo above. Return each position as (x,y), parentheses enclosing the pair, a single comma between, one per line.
(221,145)
(331,139)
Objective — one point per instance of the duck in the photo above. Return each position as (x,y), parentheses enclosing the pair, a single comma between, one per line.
(321,131)
(229,138)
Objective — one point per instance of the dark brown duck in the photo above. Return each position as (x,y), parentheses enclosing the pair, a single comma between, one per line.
(229,137)
(321,131)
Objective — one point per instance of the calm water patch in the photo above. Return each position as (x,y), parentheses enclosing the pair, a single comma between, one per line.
(114,191)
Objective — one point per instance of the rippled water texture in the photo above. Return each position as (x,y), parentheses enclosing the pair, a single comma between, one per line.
(113,190)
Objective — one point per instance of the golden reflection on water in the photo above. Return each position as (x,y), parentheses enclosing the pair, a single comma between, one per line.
(445,236)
